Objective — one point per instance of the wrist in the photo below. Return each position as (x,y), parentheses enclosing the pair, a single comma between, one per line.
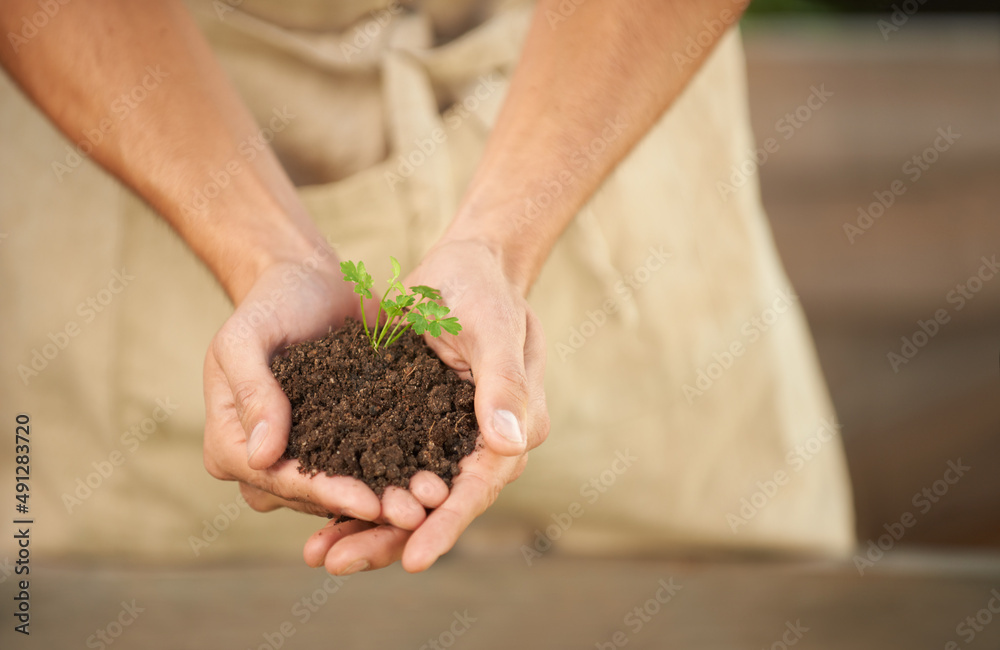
(489,235)
(247,247)
(514,231)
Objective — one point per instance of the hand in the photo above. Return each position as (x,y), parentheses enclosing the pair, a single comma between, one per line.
(502,348)
(248,417)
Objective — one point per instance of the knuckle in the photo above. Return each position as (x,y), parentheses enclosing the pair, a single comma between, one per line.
(256,499)
(513,379)
(211,461)
(223,340)
(310,509)
(247,397)
(214,469)
(494,494)
(489,487)
(449,517)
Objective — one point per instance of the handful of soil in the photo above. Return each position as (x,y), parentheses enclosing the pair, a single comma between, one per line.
(379,418)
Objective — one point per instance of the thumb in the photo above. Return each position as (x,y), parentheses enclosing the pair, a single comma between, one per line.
(261,404)
(502,393)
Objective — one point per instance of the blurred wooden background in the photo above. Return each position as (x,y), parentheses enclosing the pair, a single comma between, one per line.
(900,428)
(890,96)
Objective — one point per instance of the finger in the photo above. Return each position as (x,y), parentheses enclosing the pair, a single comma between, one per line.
(534,366)
(319,544)
(470,496)
(336,494)
(262,501)
(219,416)
(428,489)
(401,509)
(244,355)
(501,382)
(370,549)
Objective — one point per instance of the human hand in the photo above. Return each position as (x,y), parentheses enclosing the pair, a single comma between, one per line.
(248,416)
(502,348)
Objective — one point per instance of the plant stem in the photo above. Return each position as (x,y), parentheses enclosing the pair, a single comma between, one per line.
(395,337)
(402,321)
(364,321)
(385,329)
(375,337)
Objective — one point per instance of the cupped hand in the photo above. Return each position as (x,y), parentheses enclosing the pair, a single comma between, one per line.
(248,417)
(502,349)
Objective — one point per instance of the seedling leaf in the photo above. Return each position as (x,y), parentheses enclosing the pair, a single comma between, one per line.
(427,292)
(357,274)
(417,308)
(404,301)
(418,320)
(450,325)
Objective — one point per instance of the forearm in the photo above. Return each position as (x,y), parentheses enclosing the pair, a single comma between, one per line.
(138,83)
(584,93)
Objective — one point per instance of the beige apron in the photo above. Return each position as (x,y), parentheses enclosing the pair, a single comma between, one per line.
(687,407)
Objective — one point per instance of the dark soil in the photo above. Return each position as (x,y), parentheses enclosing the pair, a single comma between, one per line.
(380,418)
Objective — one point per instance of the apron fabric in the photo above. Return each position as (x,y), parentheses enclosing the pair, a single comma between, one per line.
(688,411)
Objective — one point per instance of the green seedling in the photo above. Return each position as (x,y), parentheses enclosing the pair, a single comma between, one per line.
(416,307)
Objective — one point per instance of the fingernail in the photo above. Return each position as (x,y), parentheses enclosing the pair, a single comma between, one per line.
(354,567)
(507,426)
(257,437)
